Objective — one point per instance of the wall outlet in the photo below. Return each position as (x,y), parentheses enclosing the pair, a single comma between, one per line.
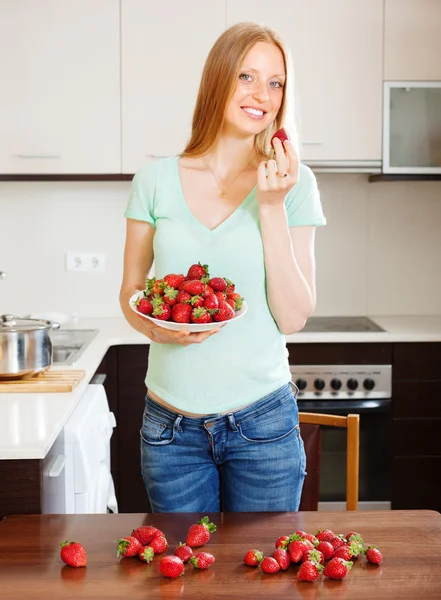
(86,261)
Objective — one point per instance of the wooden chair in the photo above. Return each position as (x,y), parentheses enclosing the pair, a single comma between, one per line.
(309,426)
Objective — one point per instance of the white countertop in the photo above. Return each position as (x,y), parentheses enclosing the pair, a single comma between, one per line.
(30,423)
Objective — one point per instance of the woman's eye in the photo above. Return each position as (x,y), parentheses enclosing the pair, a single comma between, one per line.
(245,77)
(276,84)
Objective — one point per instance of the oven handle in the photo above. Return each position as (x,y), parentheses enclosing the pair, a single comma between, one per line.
(346,406)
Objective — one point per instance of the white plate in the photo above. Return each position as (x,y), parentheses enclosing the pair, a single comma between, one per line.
(192,327)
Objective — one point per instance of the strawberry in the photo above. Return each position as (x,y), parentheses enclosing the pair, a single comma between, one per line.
(326,548)
(230,286)
(146,554)
(355,548)
(325,535)
(218,284)
(337,568)
(174,281)
(343,552)
(269,565)
(73,554)
(314,556)
(281,134)
(128,546)
(225,312)
(199,533)
(159,544)
(170,295)
(171,566)
(183,297)
(197,301)
(145,533)
(338,541)
(162,312)
(296,550)
(184,552)
(221,296)
(238,301)
(200,315)
(208,290)
(282,557)
(373,555)
(231,302)
(181,313)
(282,541)
(211,302)
(356,535)
(202,560)
(309,571)
(158,287)
(194,287)
(253,558)
(197,271)
(144,306)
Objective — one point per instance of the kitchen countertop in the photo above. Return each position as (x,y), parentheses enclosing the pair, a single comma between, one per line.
(30,423)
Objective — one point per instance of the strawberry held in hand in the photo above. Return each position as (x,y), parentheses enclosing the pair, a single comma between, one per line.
(280,134)
(73,554)
(199,533)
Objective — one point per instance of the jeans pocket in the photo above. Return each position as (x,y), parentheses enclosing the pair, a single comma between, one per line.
(270,427)
(156,433)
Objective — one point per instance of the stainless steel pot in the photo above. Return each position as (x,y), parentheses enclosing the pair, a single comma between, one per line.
(25,346)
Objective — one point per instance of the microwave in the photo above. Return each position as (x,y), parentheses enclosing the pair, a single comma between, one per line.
(412,127)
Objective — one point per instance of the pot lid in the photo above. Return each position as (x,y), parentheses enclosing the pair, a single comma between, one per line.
(11,323)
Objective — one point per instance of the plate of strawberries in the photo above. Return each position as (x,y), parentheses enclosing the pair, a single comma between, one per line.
(194,302)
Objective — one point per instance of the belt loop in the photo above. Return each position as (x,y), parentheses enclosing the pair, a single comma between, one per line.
(177,423)
(232,422)
(296,388)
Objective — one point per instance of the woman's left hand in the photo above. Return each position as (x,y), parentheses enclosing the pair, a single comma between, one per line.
(272,184)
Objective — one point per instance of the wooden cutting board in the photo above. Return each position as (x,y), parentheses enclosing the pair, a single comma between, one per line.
(50,381)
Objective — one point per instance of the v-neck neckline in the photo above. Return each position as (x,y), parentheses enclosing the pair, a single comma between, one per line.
(191,215)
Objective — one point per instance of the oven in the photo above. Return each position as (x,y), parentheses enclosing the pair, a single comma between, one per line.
(351,389)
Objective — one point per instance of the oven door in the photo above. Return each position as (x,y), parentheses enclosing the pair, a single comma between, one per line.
(375,453)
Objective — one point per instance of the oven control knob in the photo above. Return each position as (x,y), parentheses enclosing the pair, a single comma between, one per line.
(335,384)
(301,384)
(352,384)
(319,384)
(369,384)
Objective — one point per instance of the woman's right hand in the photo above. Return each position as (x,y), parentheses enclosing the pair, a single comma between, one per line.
(160,335)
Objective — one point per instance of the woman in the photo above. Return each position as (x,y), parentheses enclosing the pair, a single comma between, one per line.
(220,427)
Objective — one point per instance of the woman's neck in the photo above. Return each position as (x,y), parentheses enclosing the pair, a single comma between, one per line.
(231,154)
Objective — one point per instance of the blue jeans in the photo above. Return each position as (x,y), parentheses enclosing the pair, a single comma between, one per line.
(250,460)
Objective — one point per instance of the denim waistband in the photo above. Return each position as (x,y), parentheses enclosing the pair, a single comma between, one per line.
(255,409)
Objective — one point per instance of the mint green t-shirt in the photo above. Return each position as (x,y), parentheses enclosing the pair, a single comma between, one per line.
(247,359)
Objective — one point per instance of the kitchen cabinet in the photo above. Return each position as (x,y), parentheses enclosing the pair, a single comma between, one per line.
(164,47)
(416,434)
(412,40)
(60,74)
(337,54)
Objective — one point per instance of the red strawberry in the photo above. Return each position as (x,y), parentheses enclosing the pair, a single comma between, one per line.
(144,306)
(162,312)
(325,535)
(218,284)
(355,548)
(314,556)
(231,302)
(356,535)
(174,281)
(221,296)
(145,533)
(146,554)
(170,296)
(281,134)
(197,271)
(230,286)
(296,550)
(193,287)
(199,533)
(202,560)
(309,571)
(225,312)
(73,554)
(343,552)
(158,544)
(326,548)
(208,290)
(201,315)
(282,541)
(181,313)
(197,301)
(183,297)
(253,558)
(269,565)
(373,555)
(282,557)
(337,568)
(184,552)
(211,302)
(128,546)
(158,287)
(337,542)
(171,566)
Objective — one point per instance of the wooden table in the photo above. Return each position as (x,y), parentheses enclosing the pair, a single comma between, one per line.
(30,566)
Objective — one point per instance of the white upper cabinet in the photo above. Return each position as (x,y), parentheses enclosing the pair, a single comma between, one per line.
(412,40)
(337,53)
(60,87)
(164,47)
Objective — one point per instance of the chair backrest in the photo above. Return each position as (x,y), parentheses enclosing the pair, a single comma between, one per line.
(352,424)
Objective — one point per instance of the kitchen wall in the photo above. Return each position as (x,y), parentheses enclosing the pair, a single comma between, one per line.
(379,254)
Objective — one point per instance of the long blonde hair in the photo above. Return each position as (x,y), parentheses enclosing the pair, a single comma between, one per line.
(218,84)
